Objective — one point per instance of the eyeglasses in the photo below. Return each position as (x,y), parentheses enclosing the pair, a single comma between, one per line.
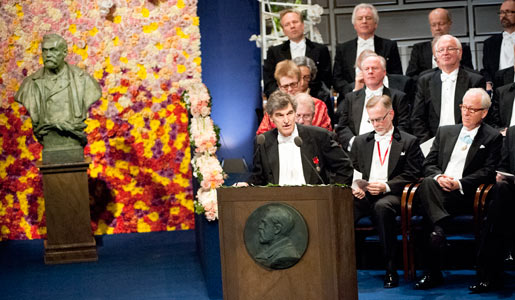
(448,49)
(470,109)
(306,78)
(290,85)
(372,121)
(506,12)
(305,117)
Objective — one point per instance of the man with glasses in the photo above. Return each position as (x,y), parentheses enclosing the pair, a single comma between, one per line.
(289,79)
(439,92)
(422,54)
(498,49)
(365,20)
(297,44)
(388,158)
(352,111)
(462,157)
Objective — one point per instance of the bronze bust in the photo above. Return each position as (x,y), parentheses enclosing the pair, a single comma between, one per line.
(57,97)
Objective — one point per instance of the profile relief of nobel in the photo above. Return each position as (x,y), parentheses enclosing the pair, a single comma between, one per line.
(57,97)
(274,230)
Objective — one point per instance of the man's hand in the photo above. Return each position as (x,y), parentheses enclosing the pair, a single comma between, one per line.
(240,184)
(376,188)
(358,193)
(359,83)
(500,177)
(448,183)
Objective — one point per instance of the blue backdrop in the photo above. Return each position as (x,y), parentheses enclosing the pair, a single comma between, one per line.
(231,69)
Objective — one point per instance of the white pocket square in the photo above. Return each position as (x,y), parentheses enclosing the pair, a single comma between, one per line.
(482,147)
(403,153)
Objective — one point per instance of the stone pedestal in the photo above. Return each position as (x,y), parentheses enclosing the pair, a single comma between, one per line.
(69,235)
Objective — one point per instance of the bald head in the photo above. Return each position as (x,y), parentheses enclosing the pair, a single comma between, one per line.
(440,21)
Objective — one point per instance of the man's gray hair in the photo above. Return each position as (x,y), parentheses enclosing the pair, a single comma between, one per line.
(486,102)
(279,100)
(448,36)
(306,99)
(282,216)
(304,61)
(385,100)
(365,5)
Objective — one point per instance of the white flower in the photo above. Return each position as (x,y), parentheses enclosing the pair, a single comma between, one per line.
(105,6)
(314,13)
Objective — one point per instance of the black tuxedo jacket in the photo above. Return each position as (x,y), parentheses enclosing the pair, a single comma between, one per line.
(507,163)
(499,114)
(350,111)
(503,77)
(317,143)
(404,162)
(344,72)
(421,58)
(491,53)
(425,116)
(317,52)
(481,160)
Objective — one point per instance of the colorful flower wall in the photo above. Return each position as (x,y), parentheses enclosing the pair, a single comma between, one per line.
(144,54)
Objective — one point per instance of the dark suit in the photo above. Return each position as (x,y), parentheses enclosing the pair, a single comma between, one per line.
(350,111)
(317,52)
(479,168)
(425,116)
(404,166)
(503,77)
(421,58)
(497,227)
(499,115)
(344,72)
(317,142)
(491,55)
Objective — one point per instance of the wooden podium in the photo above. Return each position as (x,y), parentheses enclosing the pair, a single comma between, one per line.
(69,234)
(328,268)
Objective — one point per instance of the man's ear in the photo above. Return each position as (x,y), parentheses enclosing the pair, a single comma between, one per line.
(278,227)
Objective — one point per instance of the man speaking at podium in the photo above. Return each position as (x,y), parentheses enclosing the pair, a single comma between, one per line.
(294,154)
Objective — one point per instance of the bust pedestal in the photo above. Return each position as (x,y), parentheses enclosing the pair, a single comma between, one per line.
(69,235)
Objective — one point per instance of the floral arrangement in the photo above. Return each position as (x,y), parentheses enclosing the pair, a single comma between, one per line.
(144,54)
(204,139)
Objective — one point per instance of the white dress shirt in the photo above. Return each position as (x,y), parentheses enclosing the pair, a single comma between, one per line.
(378,171)
(447,104)
(367,44)
(456,163)
(506,55)
(298,49)
(364,126)
(290,160)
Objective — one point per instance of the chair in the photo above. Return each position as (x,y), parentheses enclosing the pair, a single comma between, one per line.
(410,222)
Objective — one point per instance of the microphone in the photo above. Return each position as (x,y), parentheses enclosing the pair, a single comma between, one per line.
(260,140)
(298,142)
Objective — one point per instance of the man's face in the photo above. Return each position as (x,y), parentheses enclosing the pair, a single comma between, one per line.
(364,24)
(284,120)
(289,85)
(305,78)
(293,27)
(447,53)
(304,114)
(381,118)
(506,16)
(266,231)
(53,54)
(439,23)
(373,72)
(471,119)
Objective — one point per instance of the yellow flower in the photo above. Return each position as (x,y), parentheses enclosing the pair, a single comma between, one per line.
(78,14)
(181,181)
(159,46)
(145,12)
(142,226)
(26,228)
(124,59)
(188,204)
(150,28)
(153,216)
(95,170)
(180,4)
(142,72)
(141,205)
(185,163)
(197,60)
(115,208)
(175,210)
(181,69)
(93,31)
(92,124)
(195,21)
(19,10)
(98,147)
(73,28)
(117,20)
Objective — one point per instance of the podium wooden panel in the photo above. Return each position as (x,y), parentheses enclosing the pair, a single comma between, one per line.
(69,234)
(328,268)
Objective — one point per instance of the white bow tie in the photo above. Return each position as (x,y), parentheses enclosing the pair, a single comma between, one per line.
(510,36)
(379,138)
(369,42)
(369,94)
(444,77)
(285,139)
